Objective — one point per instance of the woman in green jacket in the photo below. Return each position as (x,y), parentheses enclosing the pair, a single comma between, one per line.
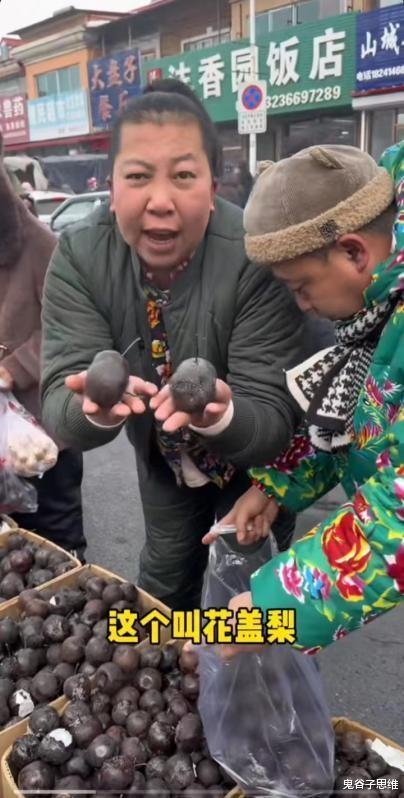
(336,252)
(162,276)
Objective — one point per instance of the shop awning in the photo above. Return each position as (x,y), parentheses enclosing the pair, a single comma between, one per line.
(100,137)
(380,99)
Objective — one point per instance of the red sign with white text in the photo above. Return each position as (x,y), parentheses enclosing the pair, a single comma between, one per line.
(14,119)
(154,74)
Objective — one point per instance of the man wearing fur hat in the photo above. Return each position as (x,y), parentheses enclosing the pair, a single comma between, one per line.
(26,246)
(330,239)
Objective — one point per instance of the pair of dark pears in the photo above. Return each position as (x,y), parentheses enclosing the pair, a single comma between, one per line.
(193,385)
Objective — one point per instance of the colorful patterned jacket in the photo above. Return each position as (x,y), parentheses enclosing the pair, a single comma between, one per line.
(350,568)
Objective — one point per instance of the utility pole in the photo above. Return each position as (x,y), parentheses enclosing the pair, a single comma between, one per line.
(253,136)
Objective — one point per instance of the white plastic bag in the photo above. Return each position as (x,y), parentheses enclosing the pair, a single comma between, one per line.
(264,714)
(25,451)
(29,451)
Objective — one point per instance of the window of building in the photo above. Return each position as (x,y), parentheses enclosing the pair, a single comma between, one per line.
(149,46)
(312,10)
(13,86)
(210,39)
(270,21)
(323,130)
(4,52)
(382,126)
(297,13)
(399,128)
(58,81)
(148,55)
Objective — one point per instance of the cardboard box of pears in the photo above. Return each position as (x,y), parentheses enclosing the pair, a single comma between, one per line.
(118,698)
(43,637)
(54,639)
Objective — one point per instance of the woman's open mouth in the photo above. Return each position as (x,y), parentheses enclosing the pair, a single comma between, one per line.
(161,239)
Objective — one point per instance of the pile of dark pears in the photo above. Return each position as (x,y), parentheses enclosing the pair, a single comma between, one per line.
(58,632)
(25,564)
(133,728)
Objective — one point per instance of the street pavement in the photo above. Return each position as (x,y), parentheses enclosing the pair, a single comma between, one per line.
(363,673)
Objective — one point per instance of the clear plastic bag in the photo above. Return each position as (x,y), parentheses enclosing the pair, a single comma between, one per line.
(29,450)
(25,451)
(264,714)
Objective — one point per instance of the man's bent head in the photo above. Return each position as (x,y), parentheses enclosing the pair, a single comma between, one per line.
(323,220)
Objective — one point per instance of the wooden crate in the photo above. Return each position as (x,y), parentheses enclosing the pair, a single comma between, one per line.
(7,523)
(8,736)
(8,787)
(32,537)
(70,580)
(148,602)
(342,725)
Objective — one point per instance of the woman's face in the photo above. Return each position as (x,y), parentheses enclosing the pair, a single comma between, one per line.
(162,191)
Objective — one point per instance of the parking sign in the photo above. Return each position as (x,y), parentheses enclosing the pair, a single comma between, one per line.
(252,107)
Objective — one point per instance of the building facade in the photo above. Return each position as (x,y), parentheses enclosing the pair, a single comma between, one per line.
(334,71)
(55,53)
(309,71)
(13,108)
(379,81)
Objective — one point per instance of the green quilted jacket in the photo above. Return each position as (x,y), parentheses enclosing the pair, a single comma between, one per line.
(223,307)
(350,568)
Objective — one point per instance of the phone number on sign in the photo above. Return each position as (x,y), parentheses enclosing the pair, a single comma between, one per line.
(323,95)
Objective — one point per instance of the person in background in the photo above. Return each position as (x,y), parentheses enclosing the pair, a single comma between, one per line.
(92,184)
(246,182)
(235,184)
(25,196)
(337,241)
(26,247)
(228,186)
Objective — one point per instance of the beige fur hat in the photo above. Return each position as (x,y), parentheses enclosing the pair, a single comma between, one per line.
(307,201)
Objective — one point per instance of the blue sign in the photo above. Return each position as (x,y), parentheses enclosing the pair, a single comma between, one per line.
(251,97)
(113,82)
(57,116)
(380,49)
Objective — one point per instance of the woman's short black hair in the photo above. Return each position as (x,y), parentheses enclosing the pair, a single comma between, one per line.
(161,100)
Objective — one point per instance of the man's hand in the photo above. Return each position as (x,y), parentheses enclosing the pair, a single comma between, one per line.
(6,380)
(119,412)
(173,419)
(242,601)
(252,515)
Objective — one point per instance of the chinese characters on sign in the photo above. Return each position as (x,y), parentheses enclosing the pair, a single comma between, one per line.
(113,82)
(211,71)
(211,76)
(209,626)
(214,74)
(13,119)
(311,67)
(380,49)
(282,62)
(252,107)
(58,115)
